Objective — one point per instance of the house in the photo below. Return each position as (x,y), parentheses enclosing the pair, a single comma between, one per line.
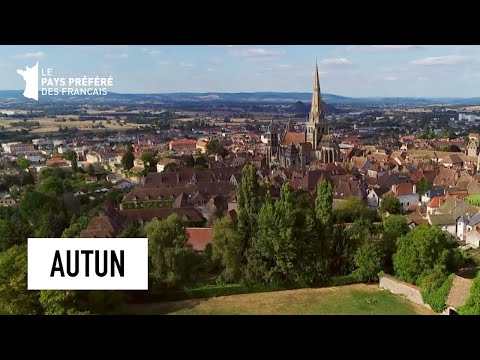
(199,238)
(452,161)
(162,163)
(202,146)
(406,194)
(183,145)
(430,194)
(434,204)
(446,222)
(374,195)
(446,178)
(472,238)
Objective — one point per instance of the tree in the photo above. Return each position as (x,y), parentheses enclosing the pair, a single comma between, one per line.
(227,250)
(51,186)
(14,230)
(23,163)
(472,305)
(149,161)
(173,261)
(394,226)
(368,260)
(128,159)
(248,204)
(289,246)
(201,162)
(420,250)
(190,161)
(352,209)
(15,298)
(342,252)
(390,205)
(324,203)
(133,231)
(60,302)
(423,186)
(76,227)
(70,155)
(74,165)
(90,170)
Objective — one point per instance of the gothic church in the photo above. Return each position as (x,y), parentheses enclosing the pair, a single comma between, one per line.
(298,149)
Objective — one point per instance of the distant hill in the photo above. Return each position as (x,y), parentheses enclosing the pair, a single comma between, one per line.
(301,108)
(245,97)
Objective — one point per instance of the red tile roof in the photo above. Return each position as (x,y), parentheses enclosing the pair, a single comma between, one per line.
(436,201)
(293,137)
(404,189)
(199,238)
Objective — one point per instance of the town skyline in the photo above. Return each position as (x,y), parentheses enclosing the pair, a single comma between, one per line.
(351,71)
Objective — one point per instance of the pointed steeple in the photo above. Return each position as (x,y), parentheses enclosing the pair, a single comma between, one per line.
(316,112)
(289,125)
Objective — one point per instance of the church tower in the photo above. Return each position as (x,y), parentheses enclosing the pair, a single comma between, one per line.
(272,143)
(316,126)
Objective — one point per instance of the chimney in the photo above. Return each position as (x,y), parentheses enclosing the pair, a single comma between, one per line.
(414,189)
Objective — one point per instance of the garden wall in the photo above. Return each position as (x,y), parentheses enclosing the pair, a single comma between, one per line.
(411,292)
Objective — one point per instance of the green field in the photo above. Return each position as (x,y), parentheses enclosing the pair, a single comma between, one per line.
(359,299)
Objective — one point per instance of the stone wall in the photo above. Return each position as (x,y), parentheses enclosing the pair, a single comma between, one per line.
(411,292)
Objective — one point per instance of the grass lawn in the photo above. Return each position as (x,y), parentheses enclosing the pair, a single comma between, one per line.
(358,299)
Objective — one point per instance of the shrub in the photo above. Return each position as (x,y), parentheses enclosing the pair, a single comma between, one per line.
(472,305)
(435,287)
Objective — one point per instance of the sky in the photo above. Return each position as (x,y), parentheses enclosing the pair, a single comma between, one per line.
(348,70)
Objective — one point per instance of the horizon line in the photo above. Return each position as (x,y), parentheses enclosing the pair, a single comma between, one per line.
(276,92)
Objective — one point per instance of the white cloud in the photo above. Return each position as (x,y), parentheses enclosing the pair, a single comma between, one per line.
(258,54)
(210,69)
(116,56)
(165,63)
(30,55)
(440,60)
(336,61)
(390,78)
(422,78)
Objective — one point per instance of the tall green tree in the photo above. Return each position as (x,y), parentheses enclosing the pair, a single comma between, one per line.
(368,260)
(288,247)
(420,250)
(227,249)
(248,204)
(74,164)
(173,261)
(394,226)
(128,159)
(423,186)
(324,203)
(342,252)
(15,298)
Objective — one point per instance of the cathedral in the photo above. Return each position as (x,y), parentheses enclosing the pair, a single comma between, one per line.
(297,150)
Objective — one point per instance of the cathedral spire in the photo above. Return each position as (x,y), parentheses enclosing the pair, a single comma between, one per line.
(316,112)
